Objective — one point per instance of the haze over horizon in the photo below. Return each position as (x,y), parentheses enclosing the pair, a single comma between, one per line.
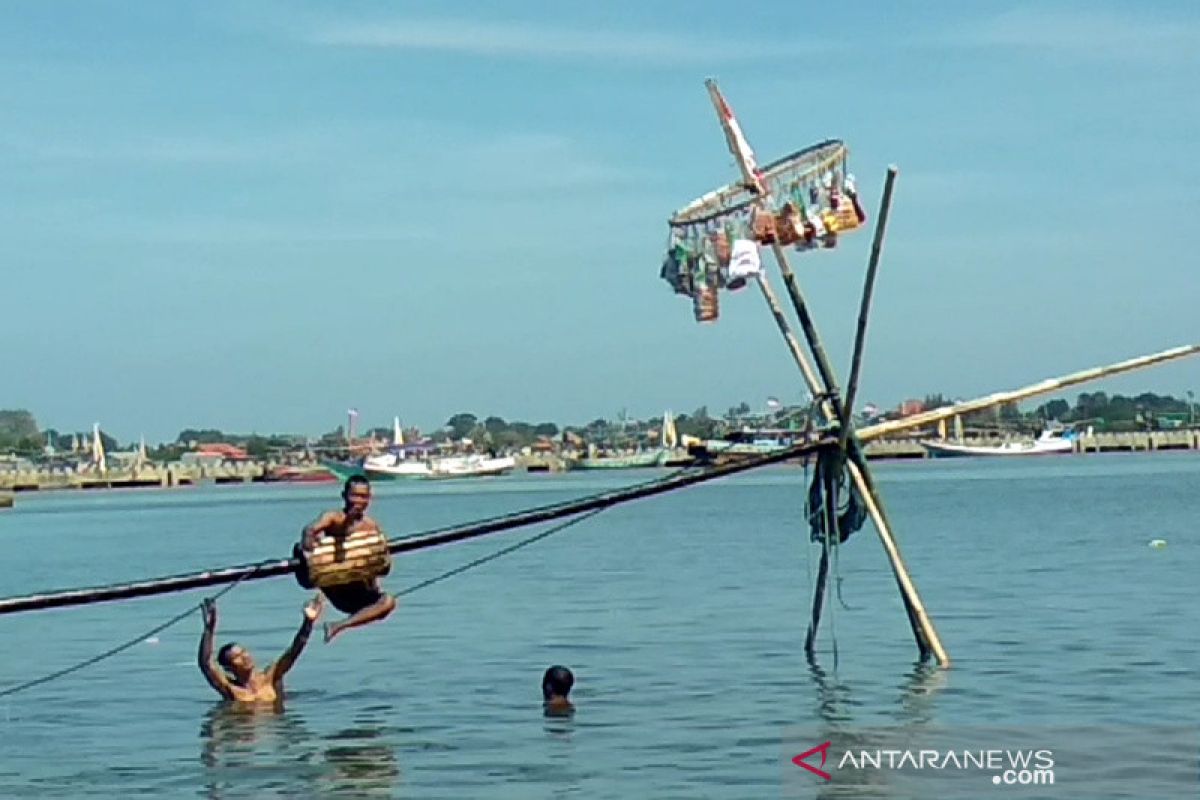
(253,216)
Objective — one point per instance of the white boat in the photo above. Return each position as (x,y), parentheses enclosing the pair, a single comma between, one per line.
(1049,442)
(472,466)
(748,442)
(420,461)
(394,465)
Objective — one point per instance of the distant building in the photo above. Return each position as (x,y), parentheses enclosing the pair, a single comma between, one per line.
(221,450)
(910,407)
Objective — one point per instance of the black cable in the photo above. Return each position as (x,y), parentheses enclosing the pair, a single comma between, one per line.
(502,552)
(20,687)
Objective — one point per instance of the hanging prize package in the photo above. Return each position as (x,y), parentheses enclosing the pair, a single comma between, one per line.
(713,242)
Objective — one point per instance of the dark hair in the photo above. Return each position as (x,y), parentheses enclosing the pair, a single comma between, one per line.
(355,480)
(557,682)
(223,655)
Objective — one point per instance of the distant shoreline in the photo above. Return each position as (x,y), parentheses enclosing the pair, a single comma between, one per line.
(148,476)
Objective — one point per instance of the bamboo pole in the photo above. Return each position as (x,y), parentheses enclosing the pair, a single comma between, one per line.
(915,611)
(829,512)
(826,386)
(810,638)
(860,335)
(1047,386)
(457,533)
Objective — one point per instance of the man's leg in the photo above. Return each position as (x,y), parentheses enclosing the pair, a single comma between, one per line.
(376,611)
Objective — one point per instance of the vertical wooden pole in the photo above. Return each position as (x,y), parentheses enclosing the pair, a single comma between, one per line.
(824,385)
(864,310)
(830,529)
(810,638)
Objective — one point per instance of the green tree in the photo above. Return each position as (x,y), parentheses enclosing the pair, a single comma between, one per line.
(335,437)
(201,436)
(166,452)
(258,447)
(1055,409)
(461,424)
(17,425)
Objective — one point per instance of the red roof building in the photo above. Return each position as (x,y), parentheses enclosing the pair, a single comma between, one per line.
(229,452)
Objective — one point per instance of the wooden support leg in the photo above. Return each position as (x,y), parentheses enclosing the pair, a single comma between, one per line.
(810,638)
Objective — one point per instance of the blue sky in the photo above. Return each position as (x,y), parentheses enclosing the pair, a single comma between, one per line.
(252,216)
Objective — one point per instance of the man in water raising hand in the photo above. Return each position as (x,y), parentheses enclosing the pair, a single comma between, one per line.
(234,675)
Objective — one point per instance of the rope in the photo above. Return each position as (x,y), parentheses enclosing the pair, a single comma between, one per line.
(502,552)
(523,543)
(20,687)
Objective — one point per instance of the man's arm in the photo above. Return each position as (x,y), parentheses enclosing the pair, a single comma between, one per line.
(216,678)
(312,610)
(316,528)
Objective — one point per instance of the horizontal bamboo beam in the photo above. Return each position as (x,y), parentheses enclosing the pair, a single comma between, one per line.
(274,569)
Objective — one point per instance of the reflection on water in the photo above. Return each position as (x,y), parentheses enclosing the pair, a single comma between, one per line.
(918,693)
(261,750)
(359,762)
(835,705)
(559,723)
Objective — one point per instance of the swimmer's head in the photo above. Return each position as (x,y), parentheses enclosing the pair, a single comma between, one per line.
(557,682)
(236,660)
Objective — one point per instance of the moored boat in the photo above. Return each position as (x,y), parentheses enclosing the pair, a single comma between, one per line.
(305,474)
(1049,442)
(643,458)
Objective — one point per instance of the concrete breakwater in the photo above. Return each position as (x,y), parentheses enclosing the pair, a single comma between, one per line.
(162,475)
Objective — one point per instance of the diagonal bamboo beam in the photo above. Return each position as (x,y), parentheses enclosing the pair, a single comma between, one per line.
(1047,386)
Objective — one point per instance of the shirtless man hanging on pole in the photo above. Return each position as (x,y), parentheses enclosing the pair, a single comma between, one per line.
(365,601)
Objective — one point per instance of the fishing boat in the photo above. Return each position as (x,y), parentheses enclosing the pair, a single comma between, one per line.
(667,453)
(471,466)
(674,455)
(300,474)
(1049,442)
(751,442)
(400,461)
(434,468)
(653,457)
